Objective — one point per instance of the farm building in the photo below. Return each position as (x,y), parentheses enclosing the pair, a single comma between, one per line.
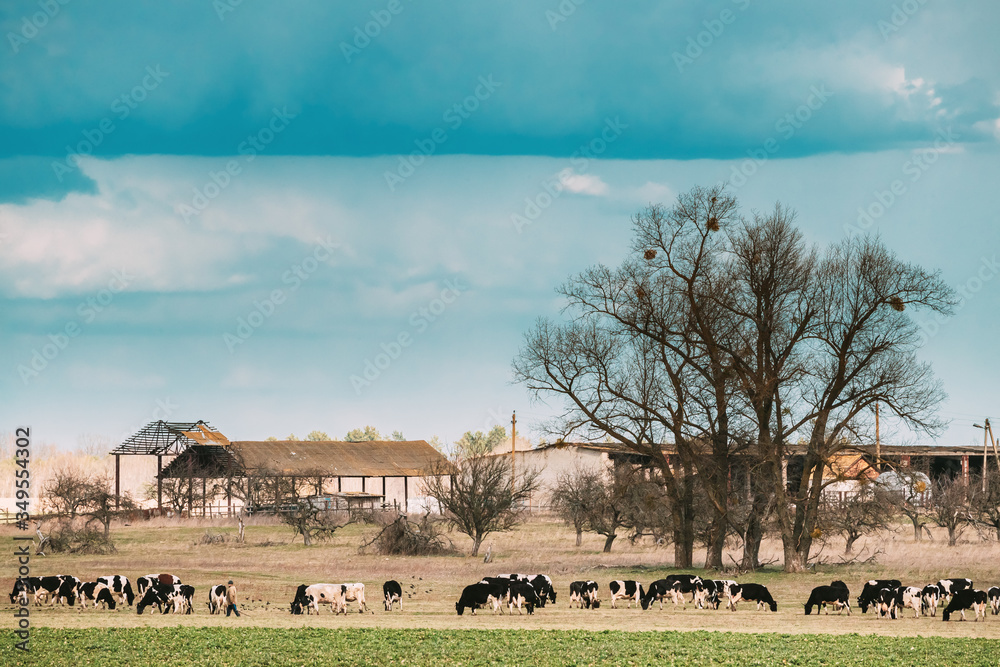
(219,476)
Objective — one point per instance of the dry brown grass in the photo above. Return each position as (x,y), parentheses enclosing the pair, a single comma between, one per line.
(268,575)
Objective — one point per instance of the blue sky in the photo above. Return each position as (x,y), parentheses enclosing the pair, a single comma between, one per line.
(227,212)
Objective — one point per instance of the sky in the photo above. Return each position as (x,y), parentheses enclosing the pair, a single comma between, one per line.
(280,217)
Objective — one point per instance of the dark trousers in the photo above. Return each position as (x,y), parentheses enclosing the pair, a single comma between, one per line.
(232,608)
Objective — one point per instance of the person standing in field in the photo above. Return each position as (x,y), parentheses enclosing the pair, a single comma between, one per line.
(231,599)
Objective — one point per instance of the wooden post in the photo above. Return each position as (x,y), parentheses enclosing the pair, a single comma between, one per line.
(118,481)
(159,484)
(406,494)
(363,485)
(513,448)
(965,469)
(338,484)
(383,488)
(190,484)
(204,495)
(229,497)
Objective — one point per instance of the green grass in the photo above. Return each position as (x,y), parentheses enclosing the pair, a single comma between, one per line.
(263,646)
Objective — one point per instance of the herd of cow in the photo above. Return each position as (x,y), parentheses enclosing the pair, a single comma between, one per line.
(165,592)
(888,598)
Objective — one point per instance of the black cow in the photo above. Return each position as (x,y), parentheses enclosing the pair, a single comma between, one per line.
(993,595)
(58,588)
(542,584)
(628,589)
(930,596)
(478,595)
(521,594)
(177,597)
(656,591)
(302,601)
(156,594)
(96,591)
(120,586)
(584,593)
(392,592)
(752,592)
(967,598)
(836,594)
(951,586)
(871,591)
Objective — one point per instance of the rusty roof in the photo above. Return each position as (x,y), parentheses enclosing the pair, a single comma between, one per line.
(376,458)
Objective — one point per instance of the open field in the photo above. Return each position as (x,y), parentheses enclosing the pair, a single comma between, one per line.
(262,646)
(268,568)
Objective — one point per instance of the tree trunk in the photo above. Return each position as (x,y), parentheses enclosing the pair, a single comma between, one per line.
(716,543)
(579,536)
(608,541)
(306,537)
(917,532)
(849,546)
(477,541)
(107,529)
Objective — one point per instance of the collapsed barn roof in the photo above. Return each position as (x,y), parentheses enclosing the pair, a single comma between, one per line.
(297,458)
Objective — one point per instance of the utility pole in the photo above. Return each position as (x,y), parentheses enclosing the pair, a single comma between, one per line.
(987,441)
(513,441)
(878,443)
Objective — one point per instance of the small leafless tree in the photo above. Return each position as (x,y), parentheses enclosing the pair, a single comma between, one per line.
(985,504)
(103,507)
(477,497)
(180,493)
(66,492)
(865,512)
(571,497)
(909,499)
(949,507)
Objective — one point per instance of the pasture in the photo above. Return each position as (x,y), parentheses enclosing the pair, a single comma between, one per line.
(268,567)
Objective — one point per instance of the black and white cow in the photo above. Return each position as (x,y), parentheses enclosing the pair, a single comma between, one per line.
(61,588)
(836,594)
(96,592)
(24,587)
(542,584)
(909,596)
(584,593)
(885,603)
(951,586)
(930,596)
(183,598)
(709,594)
(871,591)
(752,592)
(392,593)
(332,594)
(993,596)
(144,582)
(302,600)
(522,594)
(120,587)
(657,591)
(682,584)
(217,599)
(155,594)
(625,589)
(480,595)
(967,598)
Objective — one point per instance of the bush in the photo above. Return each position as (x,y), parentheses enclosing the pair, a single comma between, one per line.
(401,537)
(85,541)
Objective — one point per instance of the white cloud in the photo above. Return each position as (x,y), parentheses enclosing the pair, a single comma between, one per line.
(587,184)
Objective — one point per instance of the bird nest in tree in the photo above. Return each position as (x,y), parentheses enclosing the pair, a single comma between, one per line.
(649,254)
(897,303)
(712,224)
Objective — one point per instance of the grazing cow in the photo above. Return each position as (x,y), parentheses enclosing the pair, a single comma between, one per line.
(871,591)
(909,596)
(302,600)
(929,598)
(838,596)
(156,595)
(392,592)
(993,595)
(681,584)
(143,583)
(885,603)
(24,587)
(120,587)
(752,592)
(657,591)
(480,595)
(951,586)
(217,599)
(182,598)
(96,591)
(967,598)
(521,594)
(542,584)
(66,593)
(331,594)
(708,594)
(584,593)
(627,589)
(355,593)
